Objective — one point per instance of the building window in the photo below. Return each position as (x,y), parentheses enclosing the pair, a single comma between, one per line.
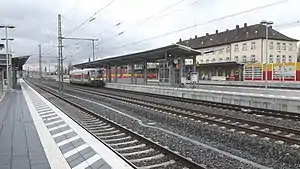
(283,46)
(252,45)
(236,47)
(244,58)
(290,46)
(283,59)
(201,60)
(252,57)
(278,46)
(227,49)
(207,60)
(271,45)
(213,60)
(290,58)
(244,46)
(227,58)
(278,59)
(220,59)
(236,58)
(271,59)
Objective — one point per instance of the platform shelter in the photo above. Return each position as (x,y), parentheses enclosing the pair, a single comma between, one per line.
(170,58)
(17,68)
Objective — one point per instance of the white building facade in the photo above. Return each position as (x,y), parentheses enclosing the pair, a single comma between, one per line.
(250,51)
(231,52)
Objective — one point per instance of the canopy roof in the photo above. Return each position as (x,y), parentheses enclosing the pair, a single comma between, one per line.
(149,55)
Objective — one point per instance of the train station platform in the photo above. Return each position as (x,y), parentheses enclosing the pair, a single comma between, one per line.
(273,99)
(34,134)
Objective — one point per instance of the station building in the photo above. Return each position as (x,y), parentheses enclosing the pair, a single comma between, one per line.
(16,67)
(240,54)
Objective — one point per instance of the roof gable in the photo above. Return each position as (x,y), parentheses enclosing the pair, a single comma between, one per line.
(245,33)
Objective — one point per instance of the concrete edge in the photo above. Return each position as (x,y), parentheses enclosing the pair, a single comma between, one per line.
(2,95)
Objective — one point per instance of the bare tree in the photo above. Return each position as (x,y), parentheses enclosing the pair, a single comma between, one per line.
(70,67)
(56,69)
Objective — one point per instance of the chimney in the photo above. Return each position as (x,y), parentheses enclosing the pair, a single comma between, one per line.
(207,34)
(180,40)
(237,29)
(195,36)
(245,25)
(227,30)
(217,31)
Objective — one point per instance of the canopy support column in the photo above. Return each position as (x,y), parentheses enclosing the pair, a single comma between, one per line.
(194,64)
(132,72)
(116,74)
(182,65)
(109,73)
(145,72)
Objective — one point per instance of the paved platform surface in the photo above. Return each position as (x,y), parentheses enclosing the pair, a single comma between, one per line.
(250,90)
(257,100)
(20,146)
(34,134)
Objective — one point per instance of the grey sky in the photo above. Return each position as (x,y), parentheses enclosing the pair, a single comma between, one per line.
(36,23)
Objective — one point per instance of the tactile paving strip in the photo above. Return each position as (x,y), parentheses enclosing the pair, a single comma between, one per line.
(76,151)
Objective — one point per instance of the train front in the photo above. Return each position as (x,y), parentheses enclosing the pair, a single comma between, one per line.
(97,78)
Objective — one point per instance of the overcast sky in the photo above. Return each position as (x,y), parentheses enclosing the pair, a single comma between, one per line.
(36,23)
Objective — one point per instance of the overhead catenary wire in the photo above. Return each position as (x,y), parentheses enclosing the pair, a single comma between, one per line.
(89,19)
(140,23)
(202,24)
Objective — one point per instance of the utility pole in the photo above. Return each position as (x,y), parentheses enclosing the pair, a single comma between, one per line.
(93,43)
(40,62)
(86,39)
(60,65)
(8,56)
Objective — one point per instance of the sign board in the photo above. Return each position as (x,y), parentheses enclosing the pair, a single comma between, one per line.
(194,77)
(183,80)
(2,59)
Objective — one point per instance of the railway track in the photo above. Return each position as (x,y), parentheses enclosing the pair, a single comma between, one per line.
(248,110)
(266,131)
(137,150)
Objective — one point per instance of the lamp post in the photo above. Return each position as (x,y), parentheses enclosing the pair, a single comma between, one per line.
(267,23)
(8,57)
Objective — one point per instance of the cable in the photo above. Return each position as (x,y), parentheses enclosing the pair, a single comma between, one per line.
(201,24)
(90,18)
(287,25)
(188,5)
(143,21)
(73,8)
(154,15)
(140,23)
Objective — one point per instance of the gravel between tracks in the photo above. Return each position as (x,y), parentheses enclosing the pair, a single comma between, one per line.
(254,149)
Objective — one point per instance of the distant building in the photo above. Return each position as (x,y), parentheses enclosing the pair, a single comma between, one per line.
(231,52)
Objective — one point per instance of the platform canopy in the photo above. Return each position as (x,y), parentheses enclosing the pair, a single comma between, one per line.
(16,61)
(19,61)
(149,55)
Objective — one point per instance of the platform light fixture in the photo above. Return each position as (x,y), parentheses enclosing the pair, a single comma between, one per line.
(8,57)
(267,23)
